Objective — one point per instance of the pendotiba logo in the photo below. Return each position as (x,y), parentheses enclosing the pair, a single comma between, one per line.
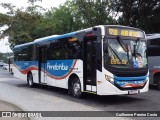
(59,69)
(57,66)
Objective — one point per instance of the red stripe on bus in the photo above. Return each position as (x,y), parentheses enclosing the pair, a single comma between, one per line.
(132,85)
(154,71)
(59,78)
(28,69)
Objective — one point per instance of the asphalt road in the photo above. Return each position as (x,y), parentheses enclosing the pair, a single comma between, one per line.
(44,98)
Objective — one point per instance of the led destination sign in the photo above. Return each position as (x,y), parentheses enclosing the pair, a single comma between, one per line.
(125,32)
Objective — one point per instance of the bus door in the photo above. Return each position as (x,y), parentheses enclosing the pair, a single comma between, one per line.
(42,65)
(90,64)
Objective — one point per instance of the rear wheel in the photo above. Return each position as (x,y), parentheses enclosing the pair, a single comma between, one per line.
(30,80)
(156,80)
(76,88)
(158,84)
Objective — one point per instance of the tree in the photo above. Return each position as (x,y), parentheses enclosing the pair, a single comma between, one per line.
(80,14)
(95,12)
(62,20)
(28,25)
(144,14)
(4,19)
(22,25)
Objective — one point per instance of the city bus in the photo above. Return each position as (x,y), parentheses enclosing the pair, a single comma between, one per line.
(102,60)
(153,45)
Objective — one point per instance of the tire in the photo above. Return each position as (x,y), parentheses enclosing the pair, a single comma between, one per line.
(11,71)
(30,80)
(158,84)
(76,88)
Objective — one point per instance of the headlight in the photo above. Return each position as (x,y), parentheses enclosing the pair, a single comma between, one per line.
(109,78)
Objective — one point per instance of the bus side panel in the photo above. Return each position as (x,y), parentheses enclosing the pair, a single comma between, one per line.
(17,73)
(35,76)
(58,71)
(78,70)
(104,87)
(146,87)
(21,69)
(99,83)
(154,66)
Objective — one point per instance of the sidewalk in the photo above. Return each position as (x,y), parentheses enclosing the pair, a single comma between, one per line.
(5,106)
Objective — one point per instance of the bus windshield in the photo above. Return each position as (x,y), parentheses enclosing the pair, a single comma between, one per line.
(125,53)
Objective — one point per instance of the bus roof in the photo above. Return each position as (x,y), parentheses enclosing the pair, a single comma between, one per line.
(46,39)
(153,36)
(122,26)
(53,37)
(25,44)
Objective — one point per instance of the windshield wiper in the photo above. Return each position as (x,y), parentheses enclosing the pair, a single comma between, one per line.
(122,44)
(124,47)
(135,48)
(114,53)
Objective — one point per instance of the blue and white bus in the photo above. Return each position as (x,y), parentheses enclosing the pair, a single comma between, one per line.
(103,60)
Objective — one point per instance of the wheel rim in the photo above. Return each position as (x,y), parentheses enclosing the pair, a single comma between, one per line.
(76,88)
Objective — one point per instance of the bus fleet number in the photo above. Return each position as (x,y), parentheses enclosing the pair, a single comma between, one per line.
(116,61)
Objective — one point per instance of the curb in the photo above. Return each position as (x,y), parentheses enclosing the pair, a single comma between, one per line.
(6,106)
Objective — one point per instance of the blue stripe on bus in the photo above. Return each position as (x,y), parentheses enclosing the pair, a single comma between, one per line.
(130,78)
(128,82)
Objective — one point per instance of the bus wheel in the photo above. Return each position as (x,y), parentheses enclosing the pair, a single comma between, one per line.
(76,88)
(30,80)
(158,84)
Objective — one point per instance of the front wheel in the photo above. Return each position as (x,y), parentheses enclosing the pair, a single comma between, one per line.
(76,88)
(30,80)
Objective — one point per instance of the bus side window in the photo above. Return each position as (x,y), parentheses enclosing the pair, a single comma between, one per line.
(16,56)
(51,52)
(68,52)
(55,51)
(73,49)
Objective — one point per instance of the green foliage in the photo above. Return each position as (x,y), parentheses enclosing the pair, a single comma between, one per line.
(80,14)
(61,19)
(33,1)
(22,25)
(144,14)
(3,57)
(3,19)
(25,26)
(95,12)
(35,22)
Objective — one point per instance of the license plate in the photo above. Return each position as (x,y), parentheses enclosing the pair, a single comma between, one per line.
(133,92)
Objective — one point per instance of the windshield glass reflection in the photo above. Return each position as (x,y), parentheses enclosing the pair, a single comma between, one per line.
(125,53)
